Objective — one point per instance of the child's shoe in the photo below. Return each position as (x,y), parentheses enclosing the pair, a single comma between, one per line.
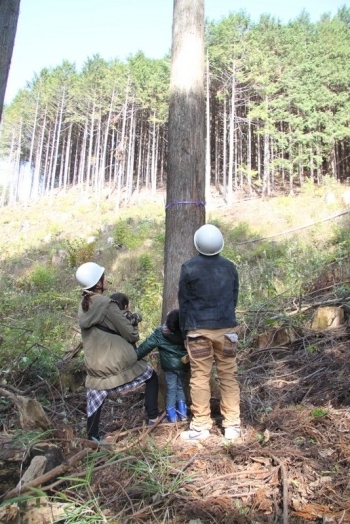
(181,409)
(171,414)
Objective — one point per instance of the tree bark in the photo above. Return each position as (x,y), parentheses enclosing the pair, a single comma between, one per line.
(9,12)
(185,210)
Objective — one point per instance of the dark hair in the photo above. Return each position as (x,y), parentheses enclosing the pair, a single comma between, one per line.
(121,300)
(172,320)
(85,302)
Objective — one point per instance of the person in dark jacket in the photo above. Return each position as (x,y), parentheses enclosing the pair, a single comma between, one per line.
(109,357)
(207,294)
(170,343)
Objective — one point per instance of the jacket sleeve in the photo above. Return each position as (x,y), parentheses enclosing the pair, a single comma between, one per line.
(182,297)
(122,325)
(148,345)
(235,288)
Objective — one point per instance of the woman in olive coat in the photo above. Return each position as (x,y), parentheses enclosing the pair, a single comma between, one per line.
(110,359)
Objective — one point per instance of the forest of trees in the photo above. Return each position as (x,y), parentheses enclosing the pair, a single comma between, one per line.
(278,112)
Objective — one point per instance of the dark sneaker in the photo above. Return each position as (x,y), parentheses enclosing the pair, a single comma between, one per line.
(95,439)
(159,420)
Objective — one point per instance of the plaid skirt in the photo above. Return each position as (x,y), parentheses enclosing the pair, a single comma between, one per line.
(95,398)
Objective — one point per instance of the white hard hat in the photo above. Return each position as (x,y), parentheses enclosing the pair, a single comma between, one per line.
(89,274)
(208,240)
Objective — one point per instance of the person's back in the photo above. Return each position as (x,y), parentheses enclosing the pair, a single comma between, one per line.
(207,294)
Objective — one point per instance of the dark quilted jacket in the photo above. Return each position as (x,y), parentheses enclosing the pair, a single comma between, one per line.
(208,293)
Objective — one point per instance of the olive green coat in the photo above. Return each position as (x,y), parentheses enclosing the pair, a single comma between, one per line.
(110,359)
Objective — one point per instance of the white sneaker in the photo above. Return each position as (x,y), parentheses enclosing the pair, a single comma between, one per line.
(193,434)
(232,433)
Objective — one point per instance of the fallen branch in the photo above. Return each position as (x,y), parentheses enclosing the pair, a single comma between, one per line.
(62,468)
(284,476)
(236,474)
(80,474)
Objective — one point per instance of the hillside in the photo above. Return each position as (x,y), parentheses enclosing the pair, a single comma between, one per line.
(291,464)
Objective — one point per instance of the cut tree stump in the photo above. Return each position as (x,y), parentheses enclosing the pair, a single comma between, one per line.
(31,414)
(16,455)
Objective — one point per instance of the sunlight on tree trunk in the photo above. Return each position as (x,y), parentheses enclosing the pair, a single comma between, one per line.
(185,210)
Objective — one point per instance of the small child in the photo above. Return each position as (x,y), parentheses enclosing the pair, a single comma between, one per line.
(170,343)
(122,302)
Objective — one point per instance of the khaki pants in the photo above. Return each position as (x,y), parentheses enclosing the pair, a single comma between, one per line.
(204,346)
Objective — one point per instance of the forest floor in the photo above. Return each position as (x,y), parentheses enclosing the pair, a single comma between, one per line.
(291,464)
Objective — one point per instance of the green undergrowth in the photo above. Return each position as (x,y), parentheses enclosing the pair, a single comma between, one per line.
(156,478)
(40,295)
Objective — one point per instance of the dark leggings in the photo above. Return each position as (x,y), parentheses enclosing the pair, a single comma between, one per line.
(151,405)
(151,396)
(92,424)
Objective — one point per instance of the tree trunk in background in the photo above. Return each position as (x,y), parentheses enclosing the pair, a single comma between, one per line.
(249,157)
(224,161)
(130,161)
(185,211)
(207,148)
(153,159)
(232,162)
(9,12)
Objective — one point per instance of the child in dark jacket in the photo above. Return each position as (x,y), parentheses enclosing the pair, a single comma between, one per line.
(170,343)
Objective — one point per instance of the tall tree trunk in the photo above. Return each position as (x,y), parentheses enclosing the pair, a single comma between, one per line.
(231,160)
(272,169)
(5,195)
(45,164)
(35,191)
(334,162)
(58,137)
(130,163)
(266,176)
(148,160)
(67,156)
(91,140)
(14,187)
(30,160)
(185,210)
(153,159)
(105,142)
(224,161)
(207,156)
(9,12)
(139,161)
(249,157)
(162,160)
(96,177)
(82,156)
